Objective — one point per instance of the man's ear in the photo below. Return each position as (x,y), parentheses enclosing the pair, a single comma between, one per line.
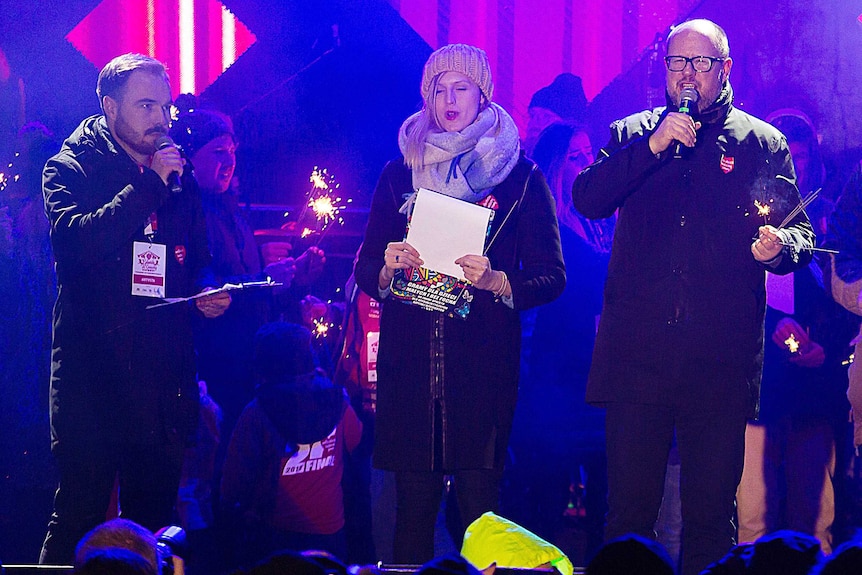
(110,106)
(724,73)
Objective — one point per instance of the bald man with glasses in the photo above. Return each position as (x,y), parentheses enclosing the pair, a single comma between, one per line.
(701,188)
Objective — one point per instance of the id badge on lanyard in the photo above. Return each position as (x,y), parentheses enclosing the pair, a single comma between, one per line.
(149,264)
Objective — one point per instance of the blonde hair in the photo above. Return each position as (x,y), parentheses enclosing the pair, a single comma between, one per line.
(426,122)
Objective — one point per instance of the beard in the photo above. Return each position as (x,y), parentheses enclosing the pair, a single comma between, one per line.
(137,141)
(708,94)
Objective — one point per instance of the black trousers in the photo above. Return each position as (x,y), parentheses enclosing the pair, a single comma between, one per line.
(711,442)
(418,495)
(148,477)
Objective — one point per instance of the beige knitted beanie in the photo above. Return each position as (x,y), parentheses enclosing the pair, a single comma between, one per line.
(463,58)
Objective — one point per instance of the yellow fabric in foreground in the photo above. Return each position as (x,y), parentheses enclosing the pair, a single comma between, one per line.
(494,539)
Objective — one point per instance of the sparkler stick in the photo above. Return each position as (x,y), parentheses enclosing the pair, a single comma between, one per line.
(763,210)
(802,205)
(328,214)
(813,249)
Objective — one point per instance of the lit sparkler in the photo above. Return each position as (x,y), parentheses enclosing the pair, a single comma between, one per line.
(792,343)
(324,201)
(763,210)
(319,179)
(324,209)
(321,327)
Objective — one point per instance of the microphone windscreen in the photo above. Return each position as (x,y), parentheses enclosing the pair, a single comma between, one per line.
(689,94)
(163,142)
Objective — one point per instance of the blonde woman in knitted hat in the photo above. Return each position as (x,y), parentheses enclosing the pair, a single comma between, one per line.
(447,386)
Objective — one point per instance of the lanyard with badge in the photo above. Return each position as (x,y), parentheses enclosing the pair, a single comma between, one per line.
(149,263)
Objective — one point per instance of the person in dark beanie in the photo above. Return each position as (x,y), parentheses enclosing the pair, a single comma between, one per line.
(561,101)
(223,346)
(281,482)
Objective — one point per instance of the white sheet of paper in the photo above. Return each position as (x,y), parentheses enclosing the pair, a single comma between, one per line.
(442,229)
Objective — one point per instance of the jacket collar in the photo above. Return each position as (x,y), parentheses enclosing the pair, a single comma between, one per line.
(715,112)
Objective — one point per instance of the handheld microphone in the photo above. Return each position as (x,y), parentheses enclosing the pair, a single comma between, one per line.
(164,141)
(687,100)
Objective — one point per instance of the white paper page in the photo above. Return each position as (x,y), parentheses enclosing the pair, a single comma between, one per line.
(443,229)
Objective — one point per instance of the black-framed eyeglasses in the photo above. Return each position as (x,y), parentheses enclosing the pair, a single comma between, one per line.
(698,63)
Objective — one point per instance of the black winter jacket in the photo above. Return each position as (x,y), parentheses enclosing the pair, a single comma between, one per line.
(119,370)
(685,299)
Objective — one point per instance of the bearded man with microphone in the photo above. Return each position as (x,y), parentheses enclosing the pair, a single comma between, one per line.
(127,232)
(702,198)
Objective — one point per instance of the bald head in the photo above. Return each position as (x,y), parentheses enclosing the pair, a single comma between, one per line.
(704,42)
(707,28)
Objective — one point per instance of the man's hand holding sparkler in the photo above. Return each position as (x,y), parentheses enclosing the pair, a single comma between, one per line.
(281,272)
(313,311)
(214,305)
(309,265)
(804,352)
(278,264)
(768,244)
(274,252)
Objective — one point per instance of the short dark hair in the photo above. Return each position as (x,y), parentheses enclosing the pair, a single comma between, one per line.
(115,561)
(118,533)
(115,74)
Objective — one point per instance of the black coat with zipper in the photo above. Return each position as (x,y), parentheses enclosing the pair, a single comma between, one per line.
(118,370)
(684,302)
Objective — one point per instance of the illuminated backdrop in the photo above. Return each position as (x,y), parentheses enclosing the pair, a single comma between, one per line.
(197,39)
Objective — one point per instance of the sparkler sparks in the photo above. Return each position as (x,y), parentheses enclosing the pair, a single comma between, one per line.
(792,343)
(324,208)
(321,327)
(763,210)
(324,202)
(319,179)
